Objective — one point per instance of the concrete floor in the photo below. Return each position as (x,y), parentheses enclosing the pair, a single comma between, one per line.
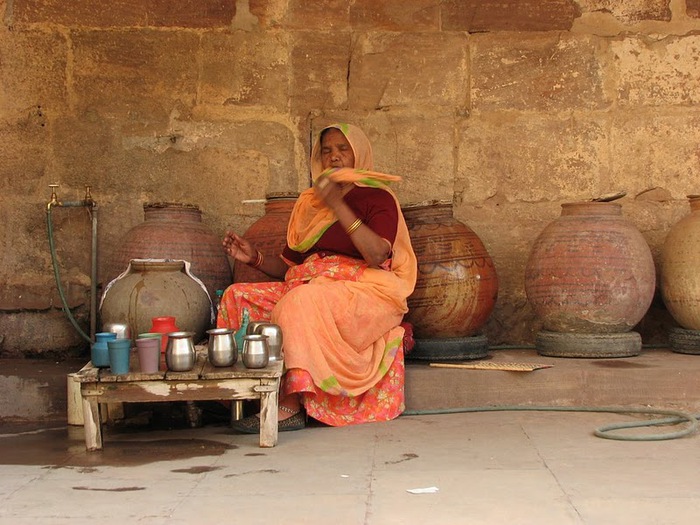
(487,467)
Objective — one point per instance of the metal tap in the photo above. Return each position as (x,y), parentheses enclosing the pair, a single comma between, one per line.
(54,197)
(88,200)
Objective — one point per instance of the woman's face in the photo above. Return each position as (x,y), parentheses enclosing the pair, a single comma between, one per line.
(336,151)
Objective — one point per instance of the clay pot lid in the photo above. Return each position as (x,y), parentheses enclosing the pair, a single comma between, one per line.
(282,195)
(424,204)
(166,204)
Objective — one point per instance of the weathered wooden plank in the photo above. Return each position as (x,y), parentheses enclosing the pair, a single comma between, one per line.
(274,369)
(157,391)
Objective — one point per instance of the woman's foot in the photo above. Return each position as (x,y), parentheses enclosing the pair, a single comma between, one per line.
(285,412)
(251,424)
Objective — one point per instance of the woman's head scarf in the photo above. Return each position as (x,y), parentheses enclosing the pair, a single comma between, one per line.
(311,218)
(358,141)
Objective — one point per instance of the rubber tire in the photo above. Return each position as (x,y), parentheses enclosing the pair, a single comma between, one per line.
(555,344)
(684,341)
(450,349)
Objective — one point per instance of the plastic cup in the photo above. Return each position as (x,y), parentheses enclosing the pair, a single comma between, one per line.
(148,349)
(99,353)
(119,354)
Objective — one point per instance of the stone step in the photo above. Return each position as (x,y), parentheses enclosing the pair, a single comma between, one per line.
(37,389)
(657,378)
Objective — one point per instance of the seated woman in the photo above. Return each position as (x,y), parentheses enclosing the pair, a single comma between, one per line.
(348,269)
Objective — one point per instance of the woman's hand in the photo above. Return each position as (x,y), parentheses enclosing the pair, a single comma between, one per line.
(239,248)
(331,193)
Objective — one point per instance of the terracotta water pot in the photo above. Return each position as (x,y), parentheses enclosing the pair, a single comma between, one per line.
(156,289)
(268,234)
(590,271)
(680,279)
(175,231)
(457,284)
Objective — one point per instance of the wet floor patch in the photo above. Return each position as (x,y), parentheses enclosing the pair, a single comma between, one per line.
(117,489)
(404,457)
(261,471)
(195,470)
(64,447)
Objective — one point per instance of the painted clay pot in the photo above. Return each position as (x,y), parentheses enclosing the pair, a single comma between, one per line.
(680,279)
(175,231)
(590,271)
(157,289)
(457,285)
(268,234)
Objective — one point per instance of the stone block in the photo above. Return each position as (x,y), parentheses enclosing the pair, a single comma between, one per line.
(629,11)
(396,70)
(653,149)
(134,76)
(126,13)
(395,15)
(319,68)
(245,69)
(26,150)
(660,72)
(531,158)
(479,16)
(319,15)
(33,72)
(692,8)
(25,335)
(538,72)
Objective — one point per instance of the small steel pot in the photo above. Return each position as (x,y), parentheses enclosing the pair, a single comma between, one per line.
(222,349)
(255,351)
(252,327)
(121,329)
(179,351)
(274,339)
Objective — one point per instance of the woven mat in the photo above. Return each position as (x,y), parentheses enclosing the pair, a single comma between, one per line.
(491,365)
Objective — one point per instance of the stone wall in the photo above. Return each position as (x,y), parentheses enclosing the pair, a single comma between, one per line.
(506,108)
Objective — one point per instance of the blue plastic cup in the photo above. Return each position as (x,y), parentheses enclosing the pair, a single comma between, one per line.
(119,354)
(99,353)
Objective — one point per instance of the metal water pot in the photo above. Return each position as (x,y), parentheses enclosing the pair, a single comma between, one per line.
(222,349)
(255,351)
(180,355)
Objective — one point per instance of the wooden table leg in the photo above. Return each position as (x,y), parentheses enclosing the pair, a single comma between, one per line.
(93,425)
(268,415)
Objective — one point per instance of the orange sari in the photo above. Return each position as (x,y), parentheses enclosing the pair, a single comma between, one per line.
(343,346)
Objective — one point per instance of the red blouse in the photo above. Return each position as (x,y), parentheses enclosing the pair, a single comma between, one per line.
(375,207)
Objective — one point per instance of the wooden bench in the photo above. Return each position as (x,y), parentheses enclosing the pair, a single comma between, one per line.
(205,382)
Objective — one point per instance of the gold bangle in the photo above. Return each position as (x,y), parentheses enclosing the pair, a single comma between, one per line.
(354,226)
(259,259)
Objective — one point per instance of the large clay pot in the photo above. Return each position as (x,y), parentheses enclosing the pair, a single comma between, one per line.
(590,271)
(680,279)
(457,285)
(268,234)
(175,231)
(154,289)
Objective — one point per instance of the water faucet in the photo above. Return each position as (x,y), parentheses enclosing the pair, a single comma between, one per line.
(54,197)
(88,200)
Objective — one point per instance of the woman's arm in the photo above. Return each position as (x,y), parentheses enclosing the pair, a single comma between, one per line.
(242,250)
(373,248)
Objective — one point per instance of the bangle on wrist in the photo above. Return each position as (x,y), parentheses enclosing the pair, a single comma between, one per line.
(353,227)
(259,259)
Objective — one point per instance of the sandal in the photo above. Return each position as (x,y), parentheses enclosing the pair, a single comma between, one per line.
(251,424)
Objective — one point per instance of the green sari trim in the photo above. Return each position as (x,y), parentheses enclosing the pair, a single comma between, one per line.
(328,384)
(308,243)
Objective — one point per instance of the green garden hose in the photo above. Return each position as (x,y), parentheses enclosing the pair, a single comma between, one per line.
(62,295)
(602,432)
